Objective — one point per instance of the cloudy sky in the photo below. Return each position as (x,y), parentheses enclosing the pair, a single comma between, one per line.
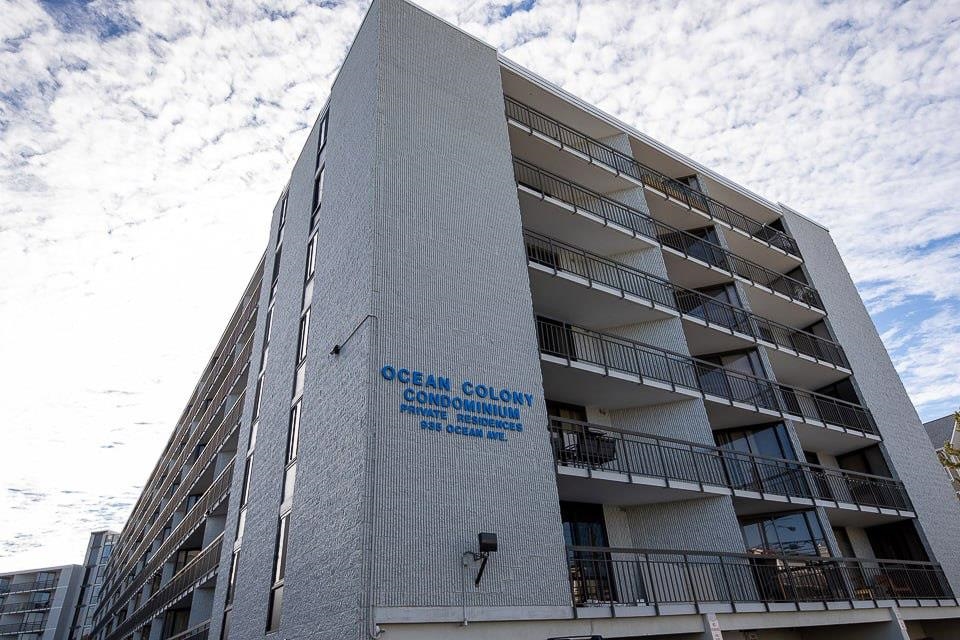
(143,144)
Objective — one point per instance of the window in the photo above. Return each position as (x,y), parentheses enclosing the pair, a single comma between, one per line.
(258,396)
(232,582)
(304,334)
(795,534)
(311,258)
(276,604)
(276,273)
(283,218)
(293,435)
(317,191)
(771,441)
(268,327)
(322,140)
(225,628)
(245,490)
(279,570)
(46,578)
(280,564)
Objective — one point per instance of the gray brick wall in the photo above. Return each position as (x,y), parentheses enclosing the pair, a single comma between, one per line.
(452,295)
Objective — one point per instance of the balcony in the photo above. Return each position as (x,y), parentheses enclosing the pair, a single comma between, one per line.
(198,632)
(606,226)
(670,190)
(21,587)
(24,607)
(201,570)
(590,368)
(590,290)
(622,582)
(21,627)
(211,500)
(601,464)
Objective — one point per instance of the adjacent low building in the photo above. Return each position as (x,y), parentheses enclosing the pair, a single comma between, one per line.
(99,550)
(509,368)
(945,436)
(38,604)
(55,603)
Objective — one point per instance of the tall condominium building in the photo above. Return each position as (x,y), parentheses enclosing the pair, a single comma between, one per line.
(38,604)
(509,368)
(99,550)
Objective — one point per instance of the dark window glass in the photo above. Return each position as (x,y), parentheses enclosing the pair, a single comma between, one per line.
(318,189)
(842,390)
(225,627)
(583,524)
(796,534)
(322,139)
(566,411)
(231,583)
(276,604)
(304,335)
(245,490)
(293,435)
(311,258)
(283,217)
(280,564)
(897,541)
(275,275)
(258,397)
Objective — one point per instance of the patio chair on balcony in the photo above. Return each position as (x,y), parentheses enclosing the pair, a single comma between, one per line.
(588,449)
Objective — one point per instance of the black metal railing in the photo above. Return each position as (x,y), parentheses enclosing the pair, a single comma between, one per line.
(560,256)
(642,224)
(590,446)
(22,607)
(608,576)
(623,163)
(678,370)
(198,632)
(206,563)
(20,627)
(36,585)
(219,489)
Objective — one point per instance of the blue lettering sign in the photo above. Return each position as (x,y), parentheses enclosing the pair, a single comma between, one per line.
(484,411)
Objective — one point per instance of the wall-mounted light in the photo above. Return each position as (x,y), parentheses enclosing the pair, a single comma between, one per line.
(486,544)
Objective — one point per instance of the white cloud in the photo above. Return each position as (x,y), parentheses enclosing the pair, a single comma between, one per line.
(138,170)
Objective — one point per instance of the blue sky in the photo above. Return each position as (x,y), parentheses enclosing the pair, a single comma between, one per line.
(143,144)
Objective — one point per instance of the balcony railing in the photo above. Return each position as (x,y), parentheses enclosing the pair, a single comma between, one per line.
(20,627)
(36,585)
(642,224)
(206,563)
(199,632)
(22,607)
(611,576)
(560,256)
(218,490)
(220,375)
(677,370)
(623,163)
(595,447)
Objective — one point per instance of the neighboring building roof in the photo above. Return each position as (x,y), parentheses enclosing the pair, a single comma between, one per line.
(940,430)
